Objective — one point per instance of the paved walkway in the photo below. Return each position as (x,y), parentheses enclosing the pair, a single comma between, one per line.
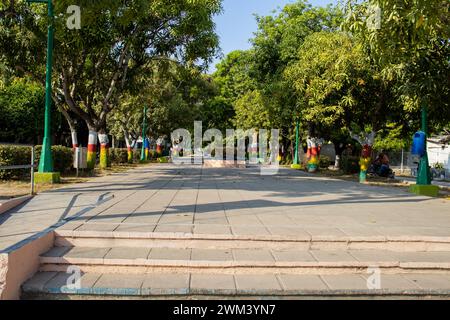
(167,198)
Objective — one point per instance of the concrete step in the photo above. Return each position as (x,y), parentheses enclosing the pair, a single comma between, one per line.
(69,238)
(258,261)
(186,285)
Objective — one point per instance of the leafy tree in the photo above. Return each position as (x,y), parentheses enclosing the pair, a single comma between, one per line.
(21,110)
(93,66)
(410,44)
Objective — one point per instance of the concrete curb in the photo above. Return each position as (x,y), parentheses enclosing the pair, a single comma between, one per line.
(12,203)
(173,240)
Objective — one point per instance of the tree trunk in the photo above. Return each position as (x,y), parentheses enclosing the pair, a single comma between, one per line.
(367,141)
(313,154)
(92,148)
(104,149)
(129,146)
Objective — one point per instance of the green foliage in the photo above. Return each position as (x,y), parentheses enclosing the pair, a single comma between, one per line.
(350,164)
(252,111)
(21,111)
(324,162)
(392,138)
(410,46)
(329,77)
(62,158)
(9,156)
(118,155)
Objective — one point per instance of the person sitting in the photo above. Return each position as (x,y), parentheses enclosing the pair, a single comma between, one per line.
(382,165)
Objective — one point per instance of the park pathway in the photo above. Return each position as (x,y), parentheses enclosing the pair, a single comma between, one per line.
(169,230)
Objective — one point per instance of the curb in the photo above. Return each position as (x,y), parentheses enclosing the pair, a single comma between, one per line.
(12,203)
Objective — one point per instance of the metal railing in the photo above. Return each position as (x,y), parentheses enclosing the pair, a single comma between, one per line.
(30,166)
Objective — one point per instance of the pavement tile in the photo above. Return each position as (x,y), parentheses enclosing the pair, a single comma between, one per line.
(374,255)
(252,255)
(249,231)
(332,256)
(81,252)
(98,227)
(345,282)
(165,283)
(125,284)
(212,282)
(56,252)
(128,253)
(249,282)
(302,282)
(211,255)
(67,282)
(169,254)
(430,281)
(292,256)
(211,229)
(135,228)
(174,228)
(38,281)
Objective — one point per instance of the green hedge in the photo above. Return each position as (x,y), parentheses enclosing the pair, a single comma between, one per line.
(9,155)
(62,158)
(118,155)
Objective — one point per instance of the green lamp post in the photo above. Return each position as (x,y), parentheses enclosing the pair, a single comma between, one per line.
(424,186)
(144,130)
(46,173)
(296,162)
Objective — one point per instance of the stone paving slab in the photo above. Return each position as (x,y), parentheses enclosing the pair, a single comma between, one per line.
(244,284)
(238,200)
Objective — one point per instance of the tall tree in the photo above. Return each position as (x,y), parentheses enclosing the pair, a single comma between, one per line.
(117,39)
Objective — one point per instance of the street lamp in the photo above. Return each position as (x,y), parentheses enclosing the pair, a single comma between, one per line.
(46,173)
(423,185)
(144,130)
(296,162)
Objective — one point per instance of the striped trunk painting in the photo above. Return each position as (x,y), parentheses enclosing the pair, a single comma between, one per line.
(92,150)
(104,141)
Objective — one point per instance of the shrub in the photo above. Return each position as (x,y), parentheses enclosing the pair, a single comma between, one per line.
(9,156)
(62,158)
(324,162)
(350,164)
(118,155)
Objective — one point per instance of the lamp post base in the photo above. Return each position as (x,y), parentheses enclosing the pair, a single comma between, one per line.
(424,190)
(47,177)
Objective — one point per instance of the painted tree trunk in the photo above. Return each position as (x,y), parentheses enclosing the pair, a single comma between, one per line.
(364,162)
(92,149)
(147,149)
(366,140)
(313,154)
(129,149)
(74,139)
(104,150)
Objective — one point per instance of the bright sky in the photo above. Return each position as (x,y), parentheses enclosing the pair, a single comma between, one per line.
(237,23)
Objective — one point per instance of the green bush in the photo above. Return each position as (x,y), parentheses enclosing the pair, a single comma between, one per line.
(62,158)
(118,155)
(324,162)
(10,156)
(350,164)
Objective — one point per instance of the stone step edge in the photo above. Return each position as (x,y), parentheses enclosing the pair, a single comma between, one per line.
(136,292)
(240,264)
(191,236)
